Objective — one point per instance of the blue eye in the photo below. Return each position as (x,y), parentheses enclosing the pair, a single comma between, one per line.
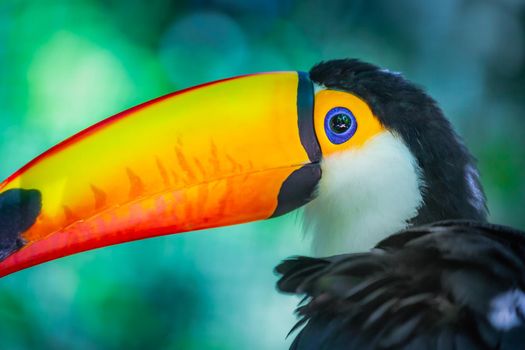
(340,125)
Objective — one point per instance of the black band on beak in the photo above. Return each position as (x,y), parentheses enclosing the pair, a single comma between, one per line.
(299,188)
(305,113)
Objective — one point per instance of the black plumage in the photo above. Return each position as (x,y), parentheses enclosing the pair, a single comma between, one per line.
(429,287)
(449,281)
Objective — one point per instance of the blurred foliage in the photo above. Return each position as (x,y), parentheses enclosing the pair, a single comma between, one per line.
(67,64)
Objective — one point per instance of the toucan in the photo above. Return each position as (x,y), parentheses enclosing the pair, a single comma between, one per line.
(390,194)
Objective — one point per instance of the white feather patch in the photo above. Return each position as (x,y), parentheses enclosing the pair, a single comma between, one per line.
(364,195)
(507,310)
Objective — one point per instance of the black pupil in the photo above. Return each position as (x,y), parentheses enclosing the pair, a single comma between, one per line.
(340,123)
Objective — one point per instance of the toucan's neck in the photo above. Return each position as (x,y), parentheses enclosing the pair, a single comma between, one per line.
(370,193)
(364,195)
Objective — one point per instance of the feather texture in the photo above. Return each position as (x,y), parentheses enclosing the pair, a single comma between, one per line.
(448,285)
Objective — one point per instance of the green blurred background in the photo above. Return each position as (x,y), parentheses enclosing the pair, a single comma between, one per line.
(67,64)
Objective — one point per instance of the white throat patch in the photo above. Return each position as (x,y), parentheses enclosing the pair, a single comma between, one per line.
(364,195)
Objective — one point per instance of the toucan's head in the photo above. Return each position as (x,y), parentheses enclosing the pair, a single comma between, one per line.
(367,152)
(404,164)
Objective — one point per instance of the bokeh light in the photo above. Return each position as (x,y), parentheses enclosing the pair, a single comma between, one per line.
(67,64)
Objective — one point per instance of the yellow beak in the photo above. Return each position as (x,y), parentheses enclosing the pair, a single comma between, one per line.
(227,152)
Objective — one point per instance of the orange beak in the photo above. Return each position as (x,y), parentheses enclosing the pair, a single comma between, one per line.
(227,152)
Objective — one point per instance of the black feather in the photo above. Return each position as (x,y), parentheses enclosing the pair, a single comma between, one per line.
(428,287)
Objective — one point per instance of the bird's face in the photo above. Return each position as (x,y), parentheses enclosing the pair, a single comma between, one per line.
(238,150)
(371,183)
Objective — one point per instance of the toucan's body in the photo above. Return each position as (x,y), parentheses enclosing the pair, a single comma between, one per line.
(450,285)
(365,151)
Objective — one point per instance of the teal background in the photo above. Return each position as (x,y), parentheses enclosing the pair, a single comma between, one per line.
(67,64)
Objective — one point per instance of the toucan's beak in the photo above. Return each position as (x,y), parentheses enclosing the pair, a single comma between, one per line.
(228,152)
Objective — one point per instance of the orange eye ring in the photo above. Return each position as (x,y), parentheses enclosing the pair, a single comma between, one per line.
(328,102)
